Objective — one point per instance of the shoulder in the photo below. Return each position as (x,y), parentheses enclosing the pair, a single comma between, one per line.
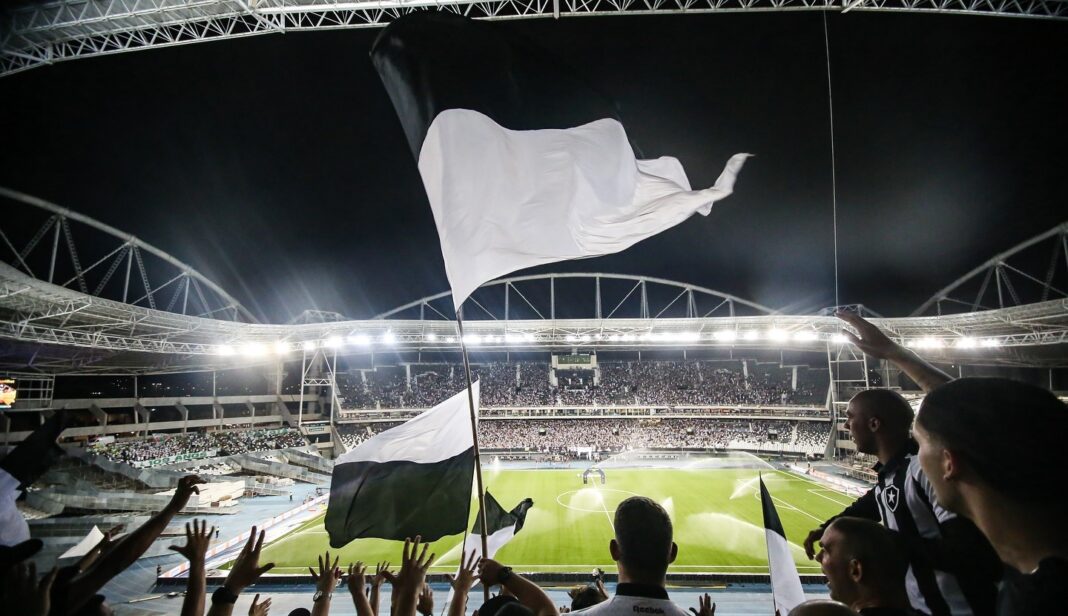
(1045,591)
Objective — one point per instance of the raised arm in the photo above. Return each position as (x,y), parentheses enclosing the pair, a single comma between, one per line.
(245,570)
(875,343)
(357,583)
(462,583)
(197,539)
(408,582)
(129,548)
(529,594)
(325,582)
(382,575)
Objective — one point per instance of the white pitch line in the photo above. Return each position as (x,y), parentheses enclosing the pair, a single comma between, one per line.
(836,502)
(600,497)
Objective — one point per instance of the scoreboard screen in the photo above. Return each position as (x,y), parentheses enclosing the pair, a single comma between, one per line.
(8,393)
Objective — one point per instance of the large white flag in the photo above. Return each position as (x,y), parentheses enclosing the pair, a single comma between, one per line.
(505,200)
(523,162)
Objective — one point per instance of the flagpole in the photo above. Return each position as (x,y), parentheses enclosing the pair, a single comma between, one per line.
(767,546)
(478,460)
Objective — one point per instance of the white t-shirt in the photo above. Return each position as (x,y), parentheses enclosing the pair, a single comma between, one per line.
(631,605)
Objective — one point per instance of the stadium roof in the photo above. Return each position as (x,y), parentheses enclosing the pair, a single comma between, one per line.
(40,33)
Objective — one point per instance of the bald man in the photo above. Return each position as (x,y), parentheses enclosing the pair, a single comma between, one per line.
(953,570)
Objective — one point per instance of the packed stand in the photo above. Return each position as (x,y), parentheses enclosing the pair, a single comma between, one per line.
(528,384)
(221,443)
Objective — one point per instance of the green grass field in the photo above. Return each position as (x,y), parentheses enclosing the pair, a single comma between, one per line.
(716,513)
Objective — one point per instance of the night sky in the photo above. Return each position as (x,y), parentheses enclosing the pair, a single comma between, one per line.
(277,167)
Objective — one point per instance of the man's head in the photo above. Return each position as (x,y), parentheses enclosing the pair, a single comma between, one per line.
(862,560)
(643,548)
(965,426)
(878,415)
(822,607)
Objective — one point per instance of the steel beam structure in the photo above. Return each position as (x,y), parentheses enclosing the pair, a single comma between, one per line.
(172,285)
(1033,270)
(43,33)
(35,312)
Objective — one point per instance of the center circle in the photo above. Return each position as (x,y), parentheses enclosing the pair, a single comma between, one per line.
(592,492)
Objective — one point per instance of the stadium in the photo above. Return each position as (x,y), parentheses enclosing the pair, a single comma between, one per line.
(594,386)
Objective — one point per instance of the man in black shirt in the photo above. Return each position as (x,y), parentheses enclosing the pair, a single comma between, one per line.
(993,449)
(953,570)
(865,565)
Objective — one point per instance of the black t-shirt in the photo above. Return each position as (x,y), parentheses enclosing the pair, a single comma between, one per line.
(1041,593)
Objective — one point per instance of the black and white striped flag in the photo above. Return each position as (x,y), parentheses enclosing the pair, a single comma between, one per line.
(413,479)
(785,582)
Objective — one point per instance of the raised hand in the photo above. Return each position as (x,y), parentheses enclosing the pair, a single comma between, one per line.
(465,578)
(601,590)
(413,567)
(488,571)
(259,609)
(425,606)
(186,488)
(814,535)
(328,575)
(357,579)
(382,574)
(24,594)
(197,539)
(869,338)
(705,607)
(246,568)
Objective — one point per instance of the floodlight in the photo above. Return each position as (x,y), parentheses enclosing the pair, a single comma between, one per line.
(991,342)
(281,347)
(360,340)
(472,339)
(690,336)
(431,337)
(388,337)
(725,335)
(585,337)
(839,339)
(928,342)
(333,342)
(225,349)
(751,335)
(778,335)
(613,338)
(308,345)
(451,339)
(965,342)
(570,338)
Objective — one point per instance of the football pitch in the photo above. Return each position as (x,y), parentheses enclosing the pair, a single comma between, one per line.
(716,515)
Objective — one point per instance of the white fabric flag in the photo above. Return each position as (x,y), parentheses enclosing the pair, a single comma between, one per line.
(505,200)
(785,582)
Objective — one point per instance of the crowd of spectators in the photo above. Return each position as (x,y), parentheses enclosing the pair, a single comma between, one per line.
(222,443)
(529,384)
(567,436)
